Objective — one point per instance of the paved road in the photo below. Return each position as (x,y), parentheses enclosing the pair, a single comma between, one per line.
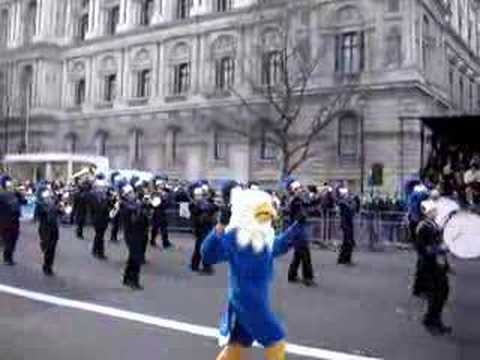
(365,310)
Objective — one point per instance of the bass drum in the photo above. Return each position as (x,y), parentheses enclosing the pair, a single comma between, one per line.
(461,234)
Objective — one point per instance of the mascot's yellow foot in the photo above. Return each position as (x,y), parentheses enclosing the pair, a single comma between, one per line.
(276,352)
(230,352)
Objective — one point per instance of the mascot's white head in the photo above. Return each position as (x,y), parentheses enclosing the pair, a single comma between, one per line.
(252,215)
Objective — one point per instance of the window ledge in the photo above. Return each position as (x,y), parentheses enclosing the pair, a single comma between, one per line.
(218,94)
(74,108)
(104,105)
(138,101)
(179,97)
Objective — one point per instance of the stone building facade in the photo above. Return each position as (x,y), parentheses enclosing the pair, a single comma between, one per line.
(136,80)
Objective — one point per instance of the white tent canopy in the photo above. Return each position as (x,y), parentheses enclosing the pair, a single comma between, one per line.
(52,165)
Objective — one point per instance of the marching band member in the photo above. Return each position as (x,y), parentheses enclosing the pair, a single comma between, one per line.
(160,216)
(249,246)
(347,213)
(10,213)
(135,216)
(202,211)
(80,206)
(47,212)
(435,268)
(100,204)
(297,209)
(116,183)
(419,194)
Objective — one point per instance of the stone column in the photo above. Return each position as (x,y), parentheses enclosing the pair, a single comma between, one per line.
(127,21)
(94,26)
(159,12)
(48,171)
(199,7)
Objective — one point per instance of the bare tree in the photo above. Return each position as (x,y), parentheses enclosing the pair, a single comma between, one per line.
(280,104)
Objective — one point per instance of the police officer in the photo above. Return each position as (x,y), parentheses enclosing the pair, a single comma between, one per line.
(347,213)
(100,204)
(10,212)
(135,219)
(296,210)
(47,211)
(202,210)
(435,268)
(160,216)
(144,200)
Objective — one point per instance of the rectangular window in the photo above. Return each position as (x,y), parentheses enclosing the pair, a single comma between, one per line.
(4,23)
(143,84)
(267,149)
(146,13)
(79,92)
(109,92)
(219,147)
(183,9)
(470,96)
(348,137)
(113,16)
(450,82)
(460,90)
(83,27)
(393,5)
(181,81)
(224,73)
(272,67)
(224,5)
(349,57)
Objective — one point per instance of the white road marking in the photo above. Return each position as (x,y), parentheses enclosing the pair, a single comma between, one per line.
(205,331)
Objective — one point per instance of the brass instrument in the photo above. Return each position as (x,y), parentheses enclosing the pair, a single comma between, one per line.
(87,170)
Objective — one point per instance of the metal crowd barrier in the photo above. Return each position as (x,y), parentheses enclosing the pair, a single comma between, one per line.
(372,229)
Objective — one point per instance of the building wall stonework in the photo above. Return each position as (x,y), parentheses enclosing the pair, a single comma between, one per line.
(146,95)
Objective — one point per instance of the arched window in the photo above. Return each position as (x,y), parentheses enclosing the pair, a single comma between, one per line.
(77,83)
(223,54)
(142,74)
(180,69)
(272,60)
(348,136)
(108,78)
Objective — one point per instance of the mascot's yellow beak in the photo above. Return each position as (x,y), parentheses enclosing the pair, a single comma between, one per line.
(264,212)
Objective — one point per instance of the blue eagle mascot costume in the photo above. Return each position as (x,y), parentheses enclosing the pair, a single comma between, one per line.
(249,245)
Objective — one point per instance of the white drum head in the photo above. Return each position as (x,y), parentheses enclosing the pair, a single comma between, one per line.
(445,208)
(462,235)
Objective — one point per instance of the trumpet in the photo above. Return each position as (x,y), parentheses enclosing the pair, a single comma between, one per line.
(87,170)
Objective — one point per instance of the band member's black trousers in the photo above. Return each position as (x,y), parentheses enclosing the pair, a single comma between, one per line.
(161,228)
(48,245)
(301,256)
(131,275)
(419,281)
(200,235)
(80,226)
(437,295)
(10,238)
(115,229)
(346,249)
(98,242)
